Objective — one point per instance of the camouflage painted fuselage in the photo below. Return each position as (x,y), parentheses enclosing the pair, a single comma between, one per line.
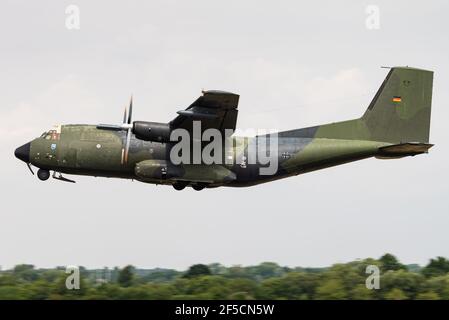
(396,124)
(86,150)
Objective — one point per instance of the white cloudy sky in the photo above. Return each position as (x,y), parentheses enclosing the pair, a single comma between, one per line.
(294,65)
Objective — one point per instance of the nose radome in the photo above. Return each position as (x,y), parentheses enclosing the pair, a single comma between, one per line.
(23,152)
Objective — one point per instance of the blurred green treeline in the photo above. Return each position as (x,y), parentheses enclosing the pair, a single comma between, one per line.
(265,281)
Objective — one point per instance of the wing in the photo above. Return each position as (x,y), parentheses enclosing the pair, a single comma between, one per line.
(215,109)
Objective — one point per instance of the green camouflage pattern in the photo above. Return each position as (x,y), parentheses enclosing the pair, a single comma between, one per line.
(396,124)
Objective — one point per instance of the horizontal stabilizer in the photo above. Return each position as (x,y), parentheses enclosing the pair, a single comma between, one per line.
(403,150)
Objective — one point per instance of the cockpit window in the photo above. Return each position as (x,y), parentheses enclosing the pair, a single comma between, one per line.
(53,134)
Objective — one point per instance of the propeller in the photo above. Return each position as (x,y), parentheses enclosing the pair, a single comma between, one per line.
(126,125)
(125,152)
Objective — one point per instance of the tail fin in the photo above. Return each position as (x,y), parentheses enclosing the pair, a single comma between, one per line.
(400,110)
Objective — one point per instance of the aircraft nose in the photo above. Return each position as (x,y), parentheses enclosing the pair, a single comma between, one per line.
(23,152)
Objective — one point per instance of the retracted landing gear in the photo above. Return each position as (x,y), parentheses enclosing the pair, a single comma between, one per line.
(180,185)
(199,186)
(43,174)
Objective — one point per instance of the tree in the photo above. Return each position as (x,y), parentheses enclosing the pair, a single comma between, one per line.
(294,285)
(39,290)
(264,281)
(396,294)
(265,270)
(162,275)
(59,288)
(134,293)
(271,289)
(409,283)
(439,285)
(428,296)
(217,268)
(361,292)
(197,270)
(240,296)
(126,276)
(207,287)
(332,289)
(436,267)
(12,293)
(26,272)
(389,262)
(242,286)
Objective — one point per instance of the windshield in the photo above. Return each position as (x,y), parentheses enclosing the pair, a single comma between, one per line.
(53,134)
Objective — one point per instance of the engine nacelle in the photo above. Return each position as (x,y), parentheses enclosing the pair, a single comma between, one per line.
(157,169)
(152,131)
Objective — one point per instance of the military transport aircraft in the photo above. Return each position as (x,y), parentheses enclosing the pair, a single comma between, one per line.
(396,124)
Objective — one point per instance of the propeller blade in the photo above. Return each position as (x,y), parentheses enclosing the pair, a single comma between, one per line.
(130,110)
(125,115)
(126,151)
(126,125)
(109,127)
